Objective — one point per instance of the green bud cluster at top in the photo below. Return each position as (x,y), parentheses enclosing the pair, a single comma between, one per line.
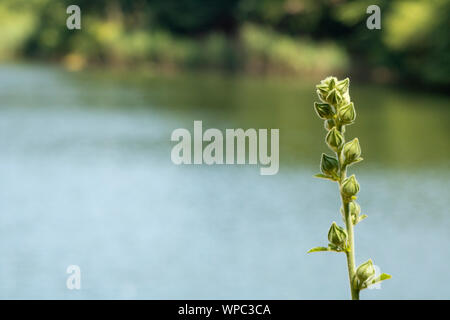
(337,110)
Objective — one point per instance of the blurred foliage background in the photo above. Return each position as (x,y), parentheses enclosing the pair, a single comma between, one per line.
(295,37)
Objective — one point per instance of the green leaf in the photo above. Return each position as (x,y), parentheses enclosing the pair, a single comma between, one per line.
(384,276)
(355,161)
(323,176)
(329,248)
(332,247)
(317,249)
(362,217)
(381,277)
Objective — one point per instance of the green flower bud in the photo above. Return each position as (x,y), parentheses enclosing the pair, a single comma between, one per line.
(334,139)
(355,210)
(350,187)
(329,124)
(365,272)
(345,98)
(347,113)
(343,85)
(322,95)
(334,97)
(351,151)
(329,165)
(337,236)
(327,84)
(324,110)
(325,87)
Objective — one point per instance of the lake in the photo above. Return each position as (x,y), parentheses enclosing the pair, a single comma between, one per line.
(87,179)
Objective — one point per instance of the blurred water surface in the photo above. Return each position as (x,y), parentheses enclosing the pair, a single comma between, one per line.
(86,179)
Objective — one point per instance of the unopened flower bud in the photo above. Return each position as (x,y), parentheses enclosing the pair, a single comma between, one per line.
(329,165)
(343,85)
(334,139)
(355,210)
(322,94)
(347,113)
(337,236)
(329,124)
(325,86)
(365,272)
(345,99)
(334,97)
(351,151)
(350,187)
(324,110)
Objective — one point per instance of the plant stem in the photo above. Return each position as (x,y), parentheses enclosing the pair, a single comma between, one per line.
(349,226)
(351,252)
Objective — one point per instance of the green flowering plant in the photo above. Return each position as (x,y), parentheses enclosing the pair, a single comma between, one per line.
(336,109)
